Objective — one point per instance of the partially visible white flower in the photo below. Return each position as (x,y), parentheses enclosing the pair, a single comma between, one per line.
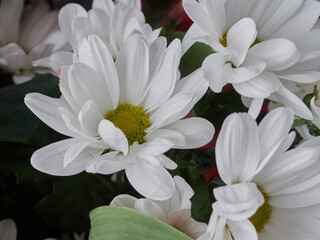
(8,229)
(254,42)
(122,115)
(27,35)
(113,22)
(176,211)
(271,192)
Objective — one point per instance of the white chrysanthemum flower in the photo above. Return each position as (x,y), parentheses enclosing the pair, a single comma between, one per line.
(254,41)
(175,211)
(270,193)
(25,40)
(113,22)
(122,115)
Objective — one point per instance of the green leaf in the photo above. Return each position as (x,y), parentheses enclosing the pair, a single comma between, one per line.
(201,207)
(17,122)
(119,223)
(307,99)
(299,122)
(193,58)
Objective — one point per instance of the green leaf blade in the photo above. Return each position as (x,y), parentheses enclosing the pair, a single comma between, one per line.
(119,223)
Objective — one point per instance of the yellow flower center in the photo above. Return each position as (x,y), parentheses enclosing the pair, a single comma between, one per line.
(132,120)
(223,41)
(262,216)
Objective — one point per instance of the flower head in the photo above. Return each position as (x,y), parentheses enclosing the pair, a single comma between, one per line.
(270,191)
(114,22)
(175,211)
(27,35)
(122,115)
(255,45)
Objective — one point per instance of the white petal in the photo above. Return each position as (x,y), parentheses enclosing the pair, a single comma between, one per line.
(89,118)
(106,5)
(213,69)
(167,162)
(191,36)
(196,12)
(196,131)
(55,61)
(153,182)
(150,208)
(194,83)
(133,70)
(8,229)
(159,142)
(49,159)
(261,86)
(278,54)
(242,230)
(238,148)
(74,151)
(290,100)
(174,109)
(273,128)
(113,136)
(85,84)
(239,38)
(46,108)
(163,83)
(237,201)
(255,107)
(302,22)
(107,164)
(288,171)
(123,200)
(95,54)
(217,13)
(67,15)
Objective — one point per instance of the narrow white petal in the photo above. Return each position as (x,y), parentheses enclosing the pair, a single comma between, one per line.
(239,38)
(89,118)
(95,54)
(274,127)
(194,83)
(8,229)
(86,84)
(261,86)
(278,54)
(153,182)
(290,100)
(49,159)
(113,136)
(238,148)
(174,109)
(237,201)
(133,70)
(106,5)
(255,107)
(242,230)
(46,108)
(106,164)
(213,70)
(163,83)
(123,200)
(150,208)
(196,131)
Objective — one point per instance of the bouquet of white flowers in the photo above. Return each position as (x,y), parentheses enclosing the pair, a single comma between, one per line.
(175,120)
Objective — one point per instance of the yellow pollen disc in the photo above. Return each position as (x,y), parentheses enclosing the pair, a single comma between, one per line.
(223,41)
(262,216)
(132,120)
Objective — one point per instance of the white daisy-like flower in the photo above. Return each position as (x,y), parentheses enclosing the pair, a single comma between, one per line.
(113,22)
(175,211)
(254,41)
(27,34)
(271,192)
(122,115)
